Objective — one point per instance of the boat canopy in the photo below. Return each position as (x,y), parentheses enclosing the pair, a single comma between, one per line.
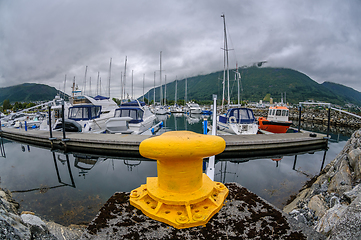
(135,113)
(100,97)
(242,115)
(84,112)
(134,103)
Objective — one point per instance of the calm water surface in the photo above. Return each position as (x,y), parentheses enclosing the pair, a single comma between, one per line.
(70,189)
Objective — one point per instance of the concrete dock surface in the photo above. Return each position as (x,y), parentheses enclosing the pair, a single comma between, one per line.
(127,145)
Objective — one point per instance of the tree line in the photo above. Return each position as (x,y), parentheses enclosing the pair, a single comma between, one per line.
(16,106)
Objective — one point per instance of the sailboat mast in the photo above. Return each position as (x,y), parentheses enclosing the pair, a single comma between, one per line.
(90,86)
(125,76)
(110,73)
(226,56)
(176,86)
(73,91)
(154,90)
(64,85)
(143,86)
(160,78)
(165,89)
(236,76)
(132,85)
(185,100)
(98,84)
(86,69)
(121,86)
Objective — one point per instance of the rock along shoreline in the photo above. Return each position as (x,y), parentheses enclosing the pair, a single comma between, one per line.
(331,201)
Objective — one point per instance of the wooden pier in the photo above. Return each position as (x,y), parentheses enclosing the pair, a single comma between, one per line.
(245,146)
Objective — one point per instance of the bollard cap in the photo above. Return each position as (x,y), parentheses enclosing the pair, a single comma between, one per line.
(181,144)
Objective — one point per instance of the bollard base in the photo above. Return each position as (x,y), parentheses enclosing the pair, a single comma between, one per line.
(180,210)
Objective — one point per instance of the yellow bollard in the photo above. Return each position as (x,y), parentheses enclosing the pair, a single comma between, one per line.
(182,195)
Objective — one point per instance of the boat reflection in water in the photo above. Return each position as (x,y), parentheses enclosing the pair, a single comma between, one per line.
(71,188)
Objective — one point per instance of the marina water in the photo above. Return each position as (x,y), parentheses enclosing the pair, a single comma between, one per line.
(71,188)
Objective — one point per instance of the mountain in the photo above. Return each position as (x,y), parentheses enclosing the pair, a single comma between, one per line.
(258,84)
(350,94)
(27,92)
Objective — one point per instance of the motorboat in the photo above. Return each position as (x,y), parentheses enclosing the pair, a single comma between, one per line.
(276,121)
(90,113)
(238,121)
(176,109)
(194,108)
(160,110)
(133,117)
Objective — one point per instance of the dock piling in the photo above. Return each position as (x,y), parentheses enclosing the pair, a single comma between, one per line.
(51,138)
(329,120)
(63,121)
(299,118)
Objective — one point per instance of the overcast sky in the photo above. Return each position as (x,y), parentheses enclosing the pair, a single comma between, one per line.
(42,41)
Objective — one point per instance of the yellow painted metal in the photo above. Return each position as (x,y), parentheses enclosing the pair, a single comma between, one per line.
(182,195)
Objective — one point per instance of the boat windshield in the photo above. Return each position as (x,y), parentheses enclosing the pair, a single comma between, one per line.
(242,115)
(84,112)
(136,114)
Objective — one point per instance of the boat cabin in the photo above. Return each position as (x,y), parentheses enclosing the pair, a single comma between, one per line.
(84,112)
(131,109)
(238,115)
(278,113)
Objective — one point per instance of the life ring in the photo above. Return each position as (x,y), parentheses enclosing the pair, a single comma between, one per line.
(232,119)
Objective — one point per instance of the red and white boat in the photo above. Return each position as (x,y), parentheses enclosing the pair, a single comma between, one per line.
(277,120)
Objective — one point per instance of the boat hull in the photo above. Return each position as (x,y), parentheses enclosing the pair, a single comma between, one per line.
(274,126)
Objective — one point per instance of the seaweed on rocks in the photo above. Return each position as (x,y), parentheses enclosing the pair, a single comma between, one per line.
(243,216)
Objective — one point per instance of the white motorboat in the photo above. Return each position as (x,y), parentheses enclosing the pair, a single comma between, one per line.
(133,117)
(238,121)
(194,108)
(90,113)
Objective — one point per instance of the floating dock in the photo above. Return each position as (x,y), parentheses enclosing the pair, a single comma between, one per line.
(124,145)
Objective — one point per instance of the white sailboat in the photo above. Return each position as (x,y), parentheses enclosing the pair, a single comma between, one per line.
(238,120)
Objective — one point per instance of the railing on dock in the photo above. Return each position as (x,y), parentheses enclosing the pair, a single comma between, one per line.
(328,105)
(2,148)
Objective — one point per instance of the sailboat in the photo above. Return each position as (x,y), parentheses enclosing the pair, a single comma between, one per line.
(160,109)
(237,121)
(176,109)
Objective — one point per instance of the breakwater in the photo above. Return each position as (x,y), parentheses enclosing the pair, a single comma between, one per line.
(331,202)
(341,122)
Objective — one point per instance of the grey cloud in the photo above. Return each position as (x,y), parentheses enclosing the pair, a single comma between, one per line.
(41,41)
